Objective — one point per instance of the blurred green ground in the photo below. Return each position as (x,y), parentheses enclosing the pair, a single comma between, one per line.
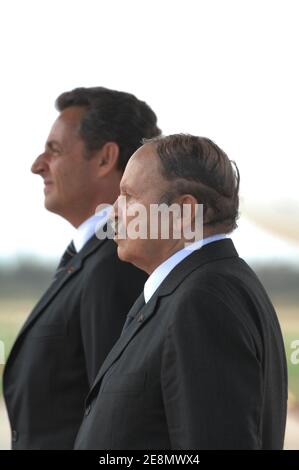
(13,313)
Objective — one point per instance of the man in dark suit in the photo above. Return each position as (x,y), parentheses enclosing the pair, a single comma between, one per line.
(200,363)
(67,336)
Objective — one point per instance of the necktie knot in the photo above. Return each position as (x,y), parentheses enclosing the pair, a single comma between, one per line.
(69,253)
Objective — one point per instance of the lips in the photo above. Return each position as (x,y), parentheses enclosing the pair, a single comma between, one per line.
(47,185)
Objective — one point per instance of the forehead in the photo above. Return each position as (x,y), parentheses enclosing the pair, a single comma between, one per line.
(67,124)
(142,171)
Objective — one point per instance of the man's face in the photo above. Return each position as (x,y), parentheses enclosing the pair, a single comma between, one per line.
(69,178)
(142,184)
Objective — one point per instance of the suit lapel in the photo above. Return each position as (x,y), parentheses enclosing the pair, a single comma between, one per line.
(212,252)
(50,293)
(144,315)
(62,278)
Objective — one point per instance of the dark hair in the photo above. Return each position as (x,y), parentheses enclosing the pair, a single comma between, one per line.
(200,168)
(111,116)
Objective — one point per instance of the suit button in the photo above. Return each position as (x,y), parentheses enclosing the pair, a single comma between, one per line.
(14,435)
(87,410)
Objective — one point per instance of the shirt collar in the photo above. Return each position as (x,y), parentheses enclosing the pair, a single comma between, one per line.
(89,227)
(162,271)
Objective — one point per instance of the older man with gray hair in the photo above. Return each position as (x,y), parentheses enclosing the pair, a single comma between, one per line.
(200,363)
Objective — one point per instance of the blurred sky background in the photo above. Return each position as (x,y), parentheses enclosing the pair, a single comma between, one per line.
(227,70)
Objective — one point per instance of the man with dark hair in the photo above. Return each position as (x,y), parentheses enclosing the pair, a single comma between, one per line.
(200,363)
(67,336)
(111,116)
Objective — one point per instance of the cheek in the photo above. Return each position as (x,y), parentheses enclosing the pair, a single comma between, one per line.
(69,182)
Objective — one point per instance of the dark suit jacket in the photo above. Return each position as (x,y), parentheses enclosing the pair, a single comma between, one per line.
(202,366)
(64,342)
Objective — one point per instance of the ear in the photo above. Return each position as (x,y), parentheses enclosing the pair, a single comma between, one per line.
(107,158)
(188,222)
(190,203)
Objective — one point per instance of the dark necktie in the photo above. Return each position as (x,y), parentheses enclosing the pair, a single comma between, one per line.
(140,302)
(66,257)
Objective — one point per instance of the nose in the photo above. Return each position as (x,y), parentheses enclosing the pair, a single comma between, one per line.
(39,164)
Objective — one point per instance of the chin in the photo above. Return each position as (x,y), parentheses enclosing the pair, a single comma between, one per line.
(121,252)
(127,256)
(50,205)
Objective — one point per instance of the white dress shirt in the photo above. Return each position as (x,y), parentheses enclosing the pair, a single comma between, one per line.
(160,273)
(89,227)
